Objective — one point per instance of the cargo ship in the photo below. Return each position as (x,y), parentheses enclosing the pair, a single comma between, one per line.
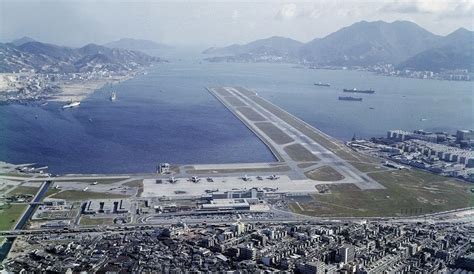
(319,84)
(349,98)
(72,104)
(359,90)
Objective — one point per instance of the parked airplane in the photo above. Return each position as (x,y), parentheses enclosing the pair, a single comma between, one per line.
(211,190)
(273,177)
(246,178)
(195,179)
(172,180)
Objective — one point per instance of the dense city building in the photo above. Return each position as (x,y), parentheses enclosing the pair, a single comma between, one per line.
(298,247)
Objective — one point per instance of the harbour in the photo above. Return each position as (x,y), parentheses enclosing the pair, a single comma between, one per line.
(213,135)
(267,137)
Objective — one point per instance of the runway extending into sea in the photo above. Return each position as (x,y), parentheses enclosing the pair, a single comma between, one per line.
(299,147)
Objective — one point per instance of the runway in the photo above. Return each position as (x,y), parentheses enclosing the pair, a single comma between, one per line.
(286,133)
(299,148)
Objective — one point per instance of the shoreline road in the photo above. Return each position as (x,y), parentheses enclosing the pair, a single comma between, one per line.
(290,139)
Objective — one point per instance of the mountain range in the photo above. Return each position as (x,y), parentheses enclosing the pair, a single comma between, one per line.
(401,43)
(43,57)
(454,51)
(22,40)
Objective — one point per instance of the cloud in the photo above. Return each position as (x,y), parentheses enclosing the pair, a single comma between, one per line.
(287,11)
(312,11)
(464,8)
(235,15)
(416,6)
(303,10)
(441,8)
(322,8)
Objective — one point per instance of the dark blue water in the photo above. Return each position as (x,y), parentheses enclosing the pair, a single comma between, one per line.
(399,103)
(168,116)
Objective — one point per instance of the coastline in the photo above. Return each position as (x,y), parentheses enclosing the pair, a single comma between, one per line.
(28,87)
(420,75)
(77,91)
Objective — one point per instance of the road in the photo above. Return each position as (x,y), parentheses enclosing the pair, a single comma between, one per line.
(5,248)
(31,208)
(458,216)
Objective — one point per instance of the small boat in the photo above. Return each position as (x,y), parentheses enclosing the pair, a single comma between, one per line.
(113,96)
(72,104)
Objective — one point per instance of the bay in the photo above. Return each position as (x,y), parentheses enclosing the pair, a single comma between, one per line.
(168,116)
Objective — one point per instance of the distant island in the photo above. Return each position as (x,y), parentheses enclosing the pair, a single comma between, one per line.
(273,49)
(137,44)
(32,70)
(400,48)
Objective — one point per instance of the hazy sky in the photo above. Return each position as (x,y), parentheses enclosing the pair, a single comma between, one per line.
(214,23)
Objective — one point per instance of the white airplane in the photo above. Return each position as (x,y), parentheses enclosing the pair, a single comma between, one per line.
(195,179)
(172,180)
(211,190)
(246,178)
(273,177)
(86,188)
(94,183)
(56,187)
